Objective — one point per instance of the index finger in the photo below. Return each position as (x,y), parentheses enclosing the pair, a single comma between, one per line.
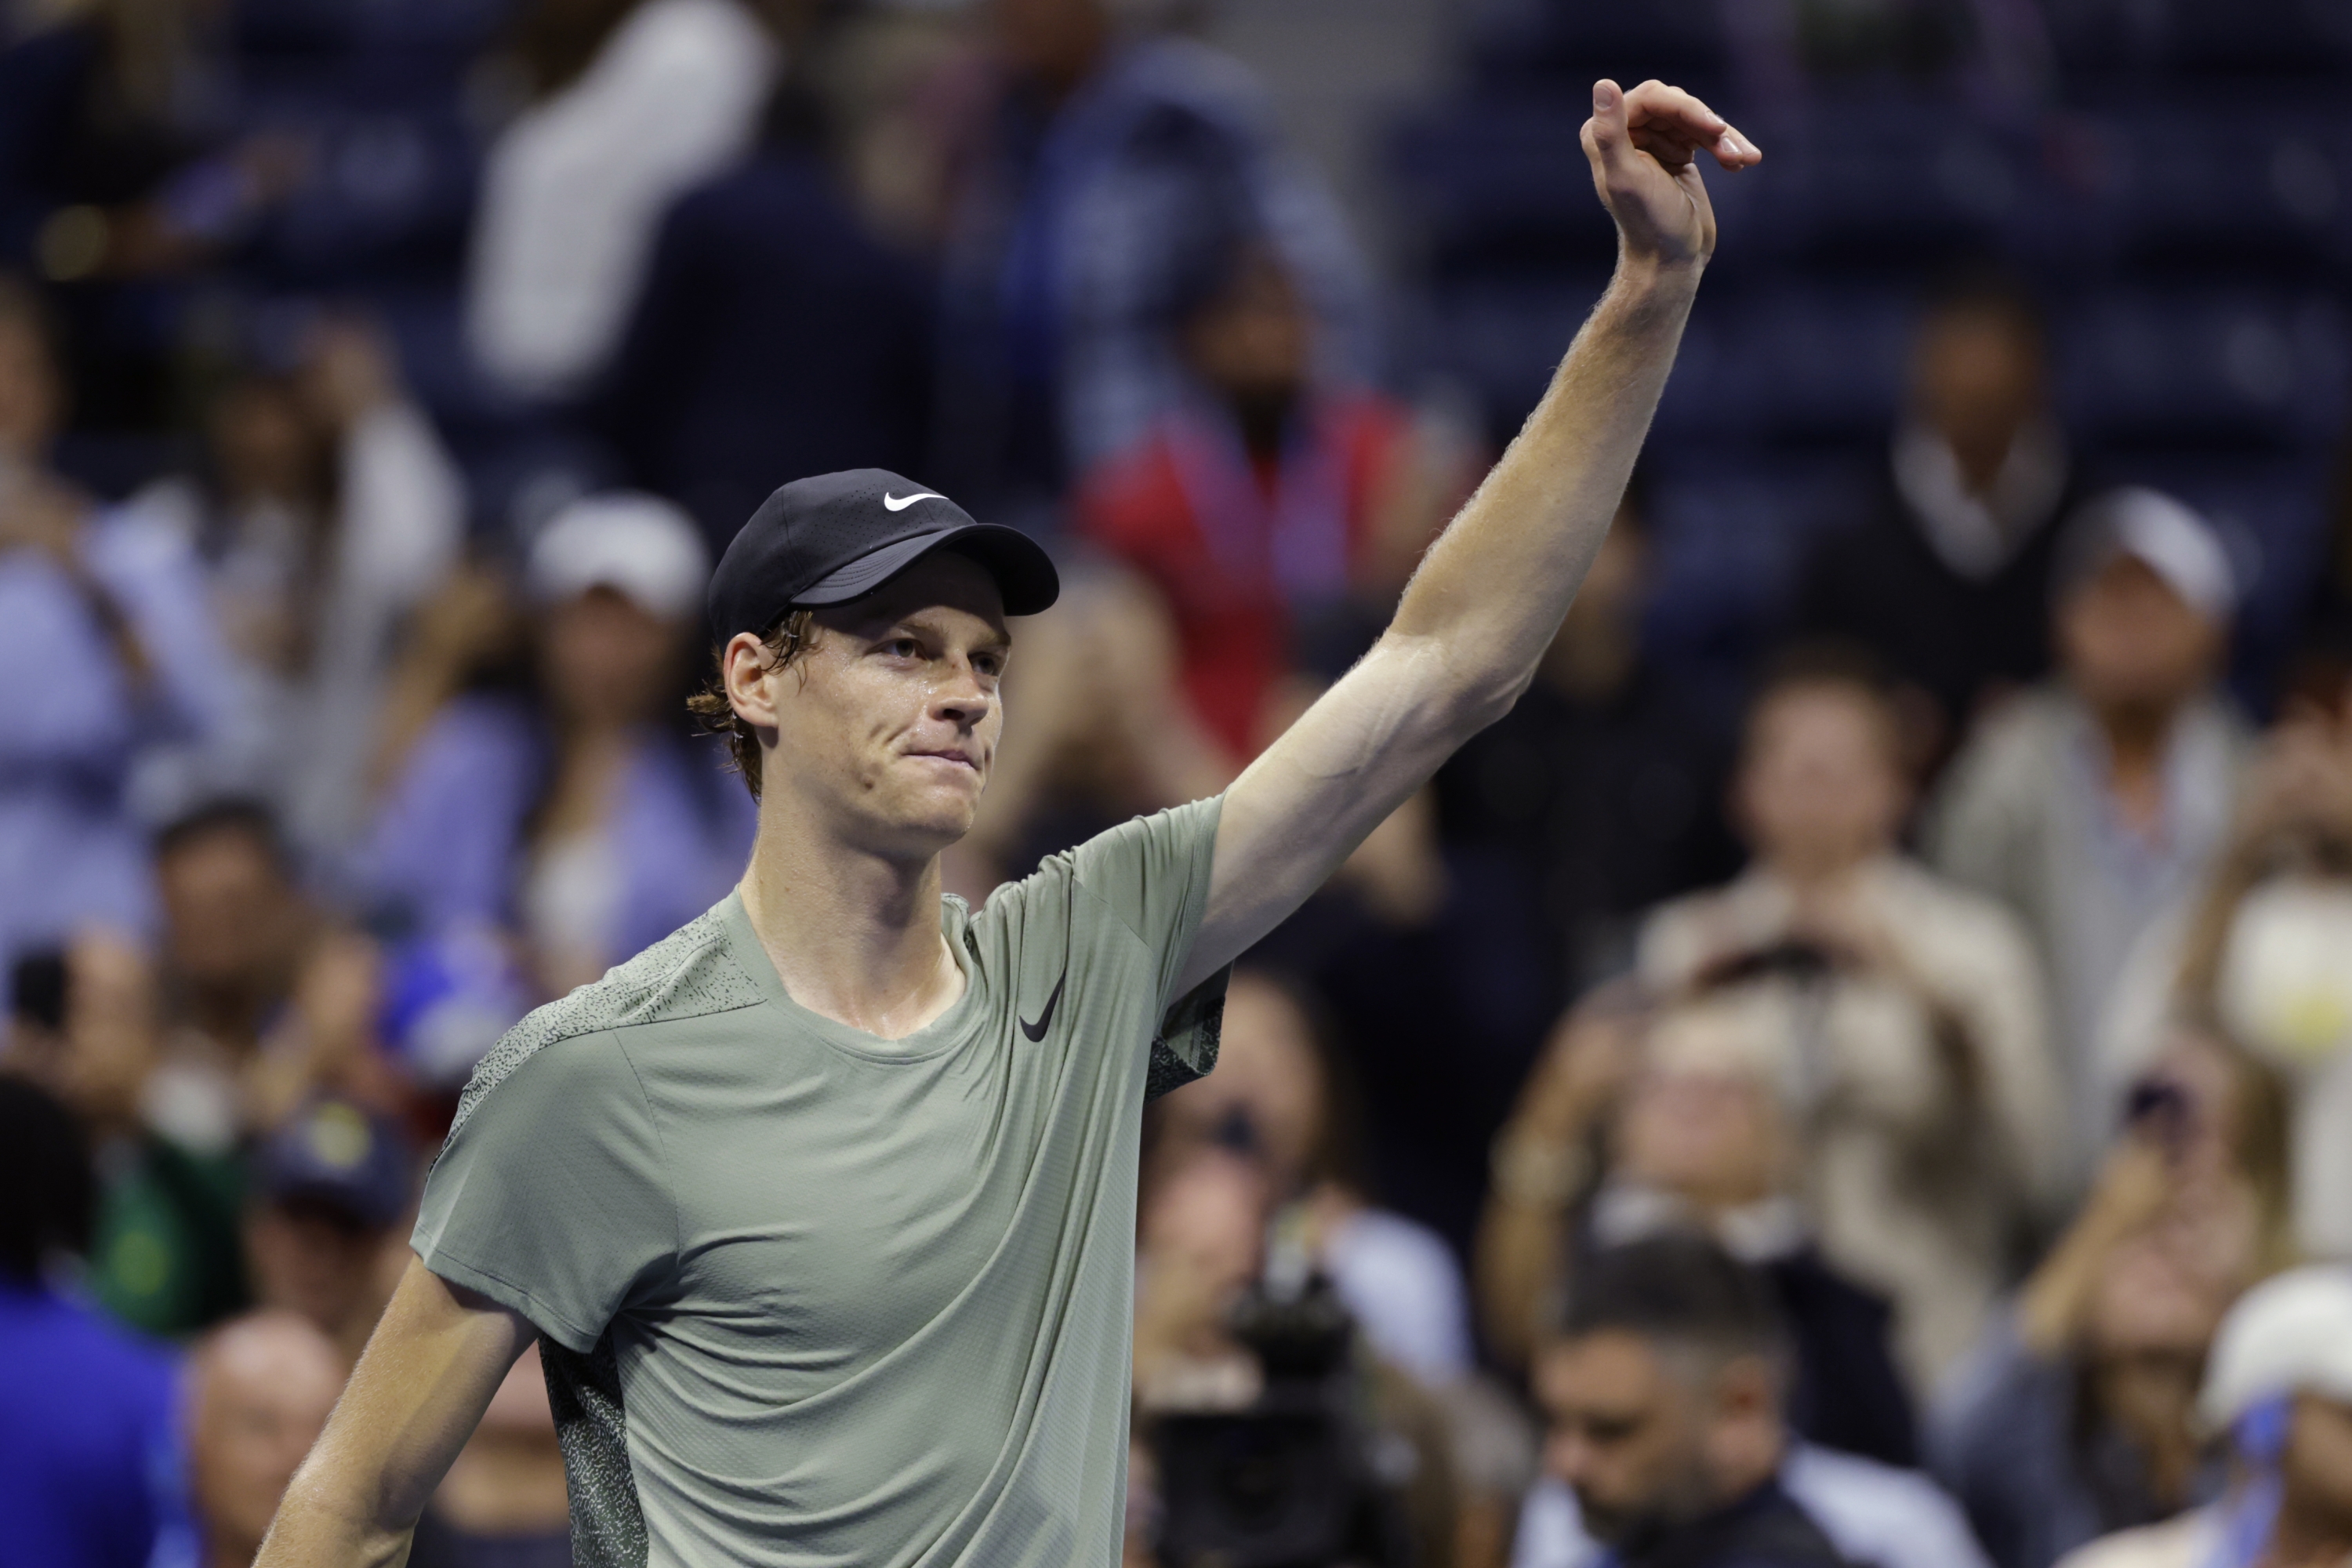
(1657,109)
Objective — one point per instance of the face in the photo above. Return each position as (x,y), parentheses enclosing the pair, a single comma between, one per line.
(262,443)
(882,732)
(1710,1137)
(1978,376)
(28,392)
(317,1265)
(1267,1090)
(230,916)
(1254,340)
(1624,1432)
(1052,41)
(2128,640)
(2316,1466)
(1819,788)
(605,660)
(265,1386)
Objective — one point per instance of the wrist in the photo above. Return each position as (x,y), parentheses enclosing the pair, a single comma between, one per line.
(1648,274)
(1530,1170)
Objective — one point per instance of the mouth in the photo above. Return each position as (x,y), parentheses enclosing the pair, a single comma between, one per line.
(955,756)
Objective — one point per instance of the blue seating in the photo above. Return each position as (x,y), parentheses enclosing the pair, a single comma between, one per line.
(2254,186)
(2207,367)
(1571,42)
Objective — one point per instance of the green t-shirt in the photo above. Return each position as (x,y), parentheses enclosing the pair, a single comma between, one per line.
(809,1297)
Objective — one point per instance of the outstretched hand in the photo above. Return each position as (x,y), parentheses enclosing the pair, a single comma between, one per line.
(1644,147)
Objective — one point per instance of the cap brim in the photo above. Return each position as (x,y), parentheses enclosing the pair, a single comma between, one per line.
(1024,571)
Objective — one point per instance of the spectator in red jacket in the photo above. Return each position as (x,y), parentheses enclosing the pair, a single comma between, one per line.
(1265,502)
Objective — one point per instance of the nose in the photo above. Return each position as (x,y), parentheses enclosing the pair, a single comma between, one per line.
(962,696)
(1567,1455)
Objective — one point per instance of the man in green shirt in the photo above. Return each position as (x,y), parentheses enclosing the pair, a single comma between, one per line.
(821,1209)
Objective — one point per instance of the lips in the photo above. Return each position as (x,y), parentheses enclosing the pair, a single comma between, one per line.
(950,754)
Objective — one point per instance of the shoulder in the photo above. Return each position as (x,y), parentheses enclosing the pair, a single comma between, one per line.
(1948,914)
(107,1364)
(2182,1542)
(2009,757)
(1877,1513)
(690,974)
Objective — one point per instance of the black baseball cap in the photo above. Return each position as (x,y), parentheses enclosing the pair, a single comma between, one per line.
(832,538)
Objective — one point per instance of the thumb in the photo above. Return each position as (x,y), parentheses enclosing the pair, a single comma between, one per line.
(1609,130)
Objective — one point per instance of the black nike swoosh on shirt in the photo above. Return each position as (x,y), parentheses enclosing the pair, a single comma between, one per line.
(1036,1031)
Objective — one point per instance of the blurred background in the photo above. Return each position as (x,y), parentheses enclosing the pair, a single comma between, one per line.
(1903,940)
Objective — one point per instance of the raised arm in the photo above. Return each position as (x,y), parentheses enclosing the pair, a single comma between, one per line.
(425,1380)
(1493,588)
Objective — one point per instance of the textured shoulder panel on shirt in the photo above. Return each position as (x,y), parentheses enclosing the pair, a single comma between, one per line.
(688,974)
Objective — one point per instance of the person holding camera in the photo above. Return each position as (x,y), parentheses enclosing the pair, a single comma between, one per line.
(1912,1044)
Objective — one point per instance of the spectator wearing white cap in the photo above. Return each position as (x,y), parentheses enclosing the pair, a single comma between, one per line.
(2096,802)
(2280,1385)
(577,812)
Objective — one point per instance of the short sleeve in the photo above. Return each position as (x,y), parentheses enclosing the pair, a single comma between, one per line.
(1152,875)
(551,1197)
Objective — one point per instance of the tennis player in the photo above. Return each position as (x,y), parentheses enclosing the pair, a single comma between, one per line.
(821,1209)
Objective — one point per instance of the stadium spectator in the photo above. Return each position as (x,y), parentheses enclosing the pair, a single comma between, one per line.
(2075,1417)
(1212,1272)
(88,1450)
(2280,1385)
(267,998)
(1257,500)
(1100,144)
(1636,1126)
(775,335)
(1911,1038)
(110,650)
(1280,1098)
(579,814)
(2259,953)
(1947,579)
(260,1389)
(2092,804)
(106,187)
(323,1233)
(1597,795)
(328,509)
(630,103)
(163,1254)
(1668,1443)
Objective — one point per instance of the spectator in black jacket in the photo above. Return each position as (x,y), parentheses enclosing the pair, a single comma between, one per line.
(1947,581)
(776,337)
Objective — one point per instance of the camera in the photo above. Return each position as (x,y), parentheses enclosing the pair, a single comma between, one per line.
(1289,1481)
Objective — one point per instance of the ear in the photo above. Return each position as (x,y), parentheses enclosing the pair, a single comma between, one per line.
(745,671)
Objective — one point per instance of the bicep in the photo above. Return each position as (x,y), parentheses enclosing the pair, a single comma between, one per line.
(1321,788)
(429,1373)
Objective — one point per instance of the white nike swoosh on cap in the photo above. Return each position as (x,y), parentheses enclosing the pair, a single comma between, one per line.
(900,503)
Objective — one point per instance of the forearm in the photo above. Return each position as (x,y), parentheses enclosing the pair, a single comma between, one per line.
(1494,587)
(319,1527)
(430,1370)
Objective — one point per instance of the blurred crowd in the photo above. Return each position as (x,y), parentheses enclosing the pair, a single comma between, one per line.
(1855,1068)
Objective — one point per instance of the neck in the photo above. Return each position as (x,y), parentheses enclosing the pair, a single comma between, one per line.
(229,1551)
(1812,870)
(2308,1538)
(2135,734)
(853,935)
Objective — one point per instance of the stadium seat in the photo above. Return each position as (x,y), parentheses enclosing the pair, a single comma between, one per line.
(2211,367)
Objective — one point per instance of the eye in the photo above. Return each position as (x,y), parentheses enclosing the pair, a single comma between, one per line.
(990,665)
(903,647)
